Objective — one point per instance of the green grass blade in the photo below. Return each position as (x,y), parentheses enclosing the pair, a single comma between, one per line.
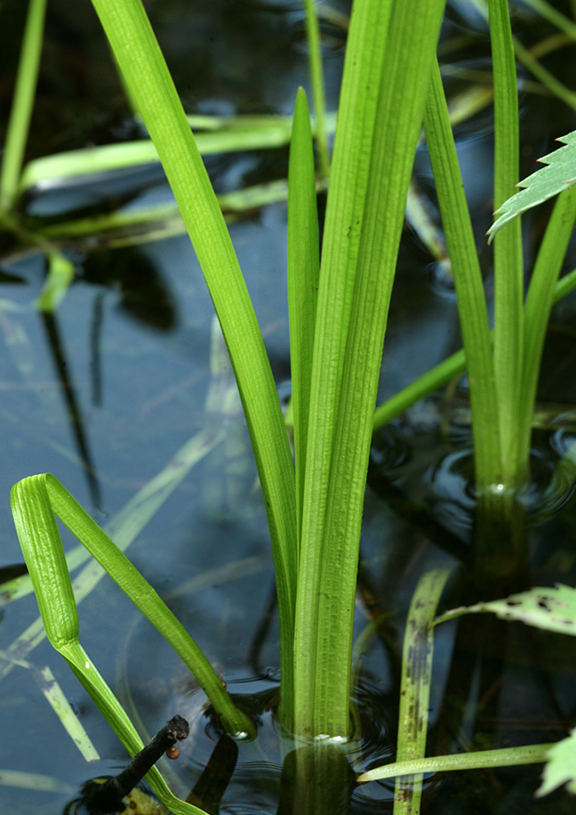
(480,760)
(60,277)
(380,116)
(546,78)
(129,579)
(468,281)
(37,531)
(553,16)
(127,524)
(416,677)
(426,384)
(446,370)
(42,548)
(303,274)
(508,272)
(539,302)
(21,113)
(317,81)
(350,169)
(90,678)
(34,781)
(34,502)
(110,157)
(146,74)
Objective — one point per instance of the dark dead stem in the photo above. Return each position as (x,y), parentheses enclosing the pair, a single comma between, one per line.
(109,796)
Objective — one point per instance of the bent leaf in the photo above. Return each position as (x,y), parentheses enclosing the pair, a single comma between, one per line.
(551,609)
(560,767)
(558,174)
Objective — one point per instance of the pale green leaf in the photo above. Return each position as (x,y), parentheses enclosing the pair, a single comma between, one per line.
(560,767)
(558,174)
(551,609)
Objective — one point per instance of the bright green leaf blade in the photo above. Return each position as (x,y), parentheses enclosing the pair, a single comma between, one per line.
(356,116)
(22,105)
(37,531)
(316,72)
(91,679)
(472,308)
(539,301)
(508,271)
(60,277)
(558,174)
(113,157)
(146,74)
(127,524)
(382,101)
(560,767)
(303,274)
(129,579)
(446,370)
(42,547)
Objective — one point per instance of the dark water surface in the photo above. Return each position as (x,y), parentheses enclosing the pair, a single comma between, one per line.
(106,392)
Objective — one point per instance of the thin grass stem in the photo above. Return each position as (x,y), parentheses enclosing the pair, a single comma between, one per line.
(317,82)
(445,371)
(23,102)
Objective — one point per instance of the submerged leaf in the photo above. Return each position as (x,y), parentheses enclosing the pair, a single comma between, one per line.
(560,767)
(558,174)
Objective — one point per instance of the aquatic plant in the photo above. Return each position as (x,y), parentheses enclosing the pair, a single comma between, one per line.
(338,314)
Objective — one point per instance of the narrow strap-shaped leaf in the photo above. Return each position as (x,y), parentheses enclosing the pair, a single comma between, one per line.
(417,656)
(317,81)
(478,760)
(303,274)
(37,532)
(468,281)
(353,141)
(24,94)
(146,74)
(42,547)
(538,306)
(144,597)
(508,272)
(382,101)
(447,369)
